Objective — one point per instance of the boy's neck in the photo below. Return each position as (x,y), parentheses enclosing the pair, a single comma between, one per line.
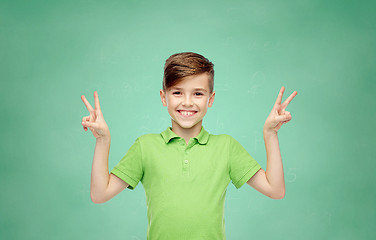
(186,133)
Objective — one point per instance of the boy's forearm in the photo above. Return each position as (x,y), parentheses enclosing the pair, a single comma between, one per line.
(274,168)
(99,172)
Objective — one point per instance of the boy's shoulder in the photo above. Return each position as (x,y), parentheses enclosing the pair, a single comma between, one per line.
(222,138)
(149,136)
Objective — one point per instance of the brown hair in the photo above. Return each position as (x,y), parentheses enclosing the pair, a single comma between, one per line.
(180,65)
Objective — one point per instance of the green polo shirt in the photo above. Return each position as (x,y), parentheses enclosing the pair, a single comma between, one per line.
(186,184)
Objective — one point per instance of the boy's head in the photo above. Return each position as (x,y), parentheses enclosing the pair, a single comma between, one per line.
(187,89)
(181,65)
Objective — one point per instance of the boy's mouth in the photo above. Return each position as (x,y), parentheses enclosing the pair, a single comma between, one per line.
(187,113)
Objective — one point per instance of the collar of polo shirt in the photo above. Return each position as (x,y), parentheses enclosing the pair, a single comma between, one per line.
(202,137)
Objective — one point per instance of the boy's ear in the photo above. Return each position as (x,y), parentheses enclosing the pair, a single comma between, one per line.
(211,99)
(163,97)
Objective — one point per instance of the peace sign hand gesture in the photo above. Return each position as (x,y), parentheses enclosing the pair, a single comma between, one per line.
(278,115)
(95,121)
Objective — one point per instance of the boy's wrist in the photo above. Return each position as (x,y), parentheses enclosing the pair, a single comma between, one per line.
(104,139)
(269,132)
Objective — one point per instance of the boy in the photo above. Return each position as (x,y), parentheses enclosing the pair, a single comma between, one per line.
(185,170)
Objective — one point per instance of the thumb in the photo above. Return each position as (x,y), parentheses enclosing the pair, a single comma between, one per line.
(89,125)
(283,118)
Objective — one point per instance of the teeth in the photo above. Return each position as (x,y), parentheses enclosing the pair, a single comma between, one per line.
(185,113)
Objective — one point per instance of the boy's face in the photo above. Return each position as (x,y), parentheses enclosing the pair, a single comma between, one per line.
(187,102)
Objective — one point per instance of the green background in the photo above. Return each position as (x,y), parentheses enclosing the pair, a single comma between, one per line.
(52,52)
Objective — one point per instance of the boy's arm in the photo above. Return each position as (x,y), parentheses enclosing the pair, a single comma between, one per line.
(104,186)
(270,183)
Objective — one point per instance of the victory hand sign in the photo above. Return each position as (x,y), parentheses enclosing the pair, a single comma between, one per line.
(278,115)
(95,121)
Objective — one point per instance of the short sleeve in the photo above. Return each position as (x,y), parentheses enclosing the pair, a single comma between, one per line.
(242,165)
(130,168)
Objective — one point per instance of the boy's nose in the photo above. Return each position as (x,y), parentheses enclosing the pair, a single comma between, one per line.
(187,101)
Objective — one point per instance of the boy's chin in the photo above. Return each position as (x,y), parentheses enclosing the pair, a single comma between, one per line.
(186,126)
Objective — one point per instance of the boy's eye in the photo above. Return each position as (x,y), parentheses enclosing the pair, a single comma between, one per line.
(178,93)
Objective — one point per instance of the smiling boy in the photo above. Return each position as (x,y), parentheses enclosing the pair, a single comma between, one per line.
(185,170)
(187,103)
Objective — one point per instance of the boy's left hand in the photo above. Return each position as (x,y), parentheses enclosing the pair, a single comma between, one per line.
(278,115)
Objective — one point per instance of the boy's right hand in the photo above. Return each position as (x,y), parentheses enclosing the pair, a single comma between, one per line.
(95,121)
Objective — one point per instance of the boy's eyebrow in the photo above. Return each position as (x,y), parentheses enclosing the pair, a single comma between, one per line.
(177,88)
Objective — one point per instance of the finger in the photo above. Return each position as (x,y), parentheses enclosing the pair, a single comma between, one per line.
(96,101)
(278,110)
(85,119)
(288,100)
(82,123)
(90,125)
(87,104)
(288,120)
(283,118)
(279,98)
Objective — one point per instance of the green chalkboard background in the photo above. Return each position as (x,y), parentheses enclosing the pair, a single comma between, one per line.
(52,52)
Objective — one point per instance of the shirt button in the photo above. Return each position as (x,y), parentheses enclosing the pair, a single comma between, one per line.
(185,161)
